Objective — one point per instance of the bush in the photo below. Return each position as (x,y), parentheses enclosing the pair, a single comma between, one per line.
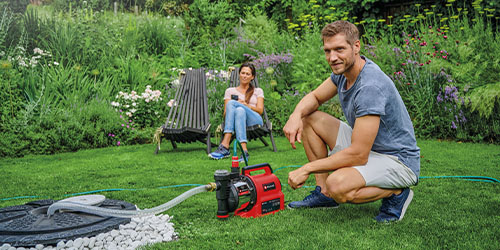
(16,6)
(207,20)
(61,130)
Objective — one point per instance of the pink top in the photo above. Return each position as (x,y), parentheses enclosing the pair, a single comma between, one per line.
(257,92)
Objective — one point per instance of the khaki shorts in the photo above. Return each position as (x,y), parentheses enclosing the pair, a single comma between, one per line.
(384,171)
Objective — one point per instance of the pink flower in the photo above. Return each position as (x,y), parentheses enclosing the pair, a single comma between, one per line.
(123,125)
(118,143)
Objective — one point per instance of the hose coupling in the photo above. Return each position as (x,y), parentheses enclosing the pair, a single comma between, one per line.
(211,186)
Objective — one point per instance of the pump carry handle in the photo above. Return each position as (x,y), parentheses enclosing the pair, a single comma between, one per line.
(264,166)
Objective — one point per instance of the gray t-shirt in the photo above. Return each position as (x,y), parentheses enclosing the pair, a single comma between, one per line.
(374,93)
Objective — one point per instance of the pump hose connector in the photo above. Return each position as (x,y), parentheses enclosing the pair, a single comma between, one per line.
(129,213)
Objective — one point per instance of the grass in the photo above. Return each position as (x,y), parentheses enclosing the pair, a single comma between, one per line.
(445,213)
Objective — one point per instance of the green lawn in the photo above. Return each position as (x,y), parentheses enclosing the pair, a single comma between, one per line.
(445,213)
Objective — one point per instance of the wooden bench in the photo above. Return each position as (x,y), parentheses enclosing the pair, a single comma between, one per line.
(188,120)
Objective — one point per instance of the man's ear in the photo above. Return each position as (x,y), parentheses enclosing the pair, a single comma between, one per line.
(357,47)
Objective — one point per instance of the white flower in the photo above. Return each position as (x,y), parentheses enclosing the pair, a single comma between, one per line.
(115,104)
(56,63)
(133,110)
(171,103)
(134,104)
(176,83)
(38,51)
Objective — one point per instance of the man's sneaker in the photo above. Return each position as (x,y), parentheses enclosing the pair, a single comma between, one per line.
(221,153)
(315,200)
(394,207)
(246,155)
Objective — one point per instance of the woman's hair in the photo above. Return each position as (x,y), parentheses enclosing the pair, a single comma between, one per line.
(251,88)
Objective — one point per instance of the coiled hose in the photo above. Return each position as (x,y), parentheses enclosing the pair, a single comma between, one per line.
(128,213)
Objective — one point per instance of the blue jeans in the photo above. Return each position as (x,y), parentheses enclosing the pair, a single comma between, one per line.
(238,117)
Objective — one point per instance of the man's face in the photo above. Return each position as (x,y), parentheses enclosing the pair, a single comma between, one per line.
(339,54)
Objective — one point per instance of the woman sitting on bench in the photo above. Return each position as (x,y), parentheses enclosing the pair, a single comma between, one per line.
(243,106)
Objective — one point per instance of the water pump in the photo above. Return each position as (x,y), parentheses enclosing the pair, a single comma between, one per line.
(253,193)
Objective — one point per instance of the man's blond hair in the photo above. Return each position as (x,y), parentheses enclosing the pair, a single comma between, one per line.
(341,27)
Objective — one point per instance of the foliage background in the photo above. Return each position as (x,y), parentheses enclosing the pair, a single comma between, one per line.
(63,63)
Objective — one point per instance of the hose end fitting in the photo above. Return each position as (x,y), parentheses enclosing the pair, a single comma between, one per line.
(211,186)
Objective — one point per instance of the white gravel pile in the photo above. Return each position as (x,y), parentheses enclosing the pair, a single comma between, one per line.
(139,232)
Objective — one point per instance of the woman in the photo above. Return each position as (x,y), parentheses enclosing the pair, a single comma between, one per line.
(243,106)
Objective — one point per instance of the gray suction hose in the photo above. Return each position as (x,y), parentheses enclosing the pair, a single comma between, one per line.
(128,213)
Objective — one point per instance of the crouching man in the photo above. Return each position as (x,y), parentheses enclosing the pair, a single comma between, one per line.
(376,155)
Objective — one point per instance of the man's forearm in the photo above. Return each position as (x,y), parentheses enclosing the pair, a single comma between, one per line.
(306,106)
(344,158)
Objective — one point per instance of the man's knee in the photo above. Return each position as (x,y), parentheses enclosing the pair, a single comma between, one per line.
(311,119)
(336,189)
(343,184)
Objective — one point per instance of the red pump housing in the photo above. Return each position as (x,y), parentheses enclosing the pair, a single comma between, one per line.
(267,197)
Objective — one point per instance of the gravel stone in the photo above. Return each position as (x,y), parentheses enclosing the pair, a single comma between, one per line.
(139,232)
(78,243)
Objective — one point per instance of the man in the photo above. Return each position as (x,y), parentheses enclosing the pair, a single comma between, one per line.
(376,155)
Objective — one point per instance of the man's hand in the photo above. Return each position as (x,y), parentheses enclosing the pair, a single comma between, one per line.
(297,178)
(293,129)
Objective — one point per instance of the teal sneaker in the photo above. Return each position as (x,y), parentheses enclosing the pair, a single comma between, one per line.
(394,207)
(221,153)
(315,200)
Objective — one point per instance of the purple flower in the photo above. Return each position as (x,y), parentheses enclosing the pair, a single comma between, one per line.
(453,126)
(439,97)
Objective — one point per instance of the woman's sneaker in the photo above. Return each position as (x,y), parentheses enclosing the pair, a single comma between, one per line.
(394,207)
(315,200)
(221,153)
(246,155)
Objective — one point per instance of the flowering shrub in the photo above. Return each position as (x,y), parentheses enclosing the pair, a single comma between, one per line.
(217,83)
(452,105)
(141,110)
(24,61)
(273,69)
